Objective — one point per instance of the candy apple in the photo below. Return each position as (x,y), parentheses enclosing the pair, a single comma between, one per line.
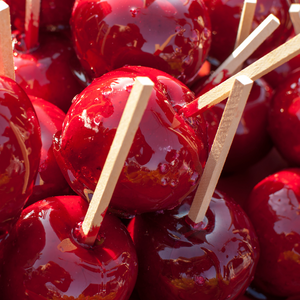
(172,36)
(284,118)
(274,209)
(54,16)
(46,71)
(168,153)
(20,149)
(225,17)
(43,258)
(49,181)
(214,259)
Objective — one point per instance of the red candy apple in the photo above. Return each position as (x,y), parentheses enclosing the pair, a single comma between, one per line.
(46,72)
(284,118)
(225,17)
(214,259)
(168,153)
(44,260)
(172,36)
(49,181)
(20,149)
(274,209)
(55,14)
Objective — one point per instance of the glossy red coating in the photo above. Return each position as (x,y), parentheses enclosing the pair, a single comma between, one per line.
(251,141)
(46,72)
(54,16)
(167,156)
(43,260)
(20,149)
(177,261)
(49,181)
(274,209)
(170,35)
(284,118)
(225,17)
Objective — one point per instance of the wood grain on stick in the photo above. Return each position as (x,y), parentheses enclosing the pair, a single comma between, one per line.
(220,148)
(246,21)
(129,123)
(256,70)
(246,48)
(295,16)
(7,67)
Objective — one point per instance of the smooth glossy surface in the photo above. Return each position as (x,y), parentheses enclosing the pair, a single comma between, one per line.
(54,16)
(274,209)
(46,72)
(213,260)
(49,181)
(44,261)
(166,159)
(20,149)
(284,119)
(170,35)
(225,17)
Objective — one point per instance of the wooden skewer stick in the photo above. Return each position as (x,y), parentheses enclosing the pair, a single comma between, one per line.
(133,112)
(246,21)
(295,16)
(220,148)
(247,47)
(245,24)
(7,67)
(32,23)
(256,70)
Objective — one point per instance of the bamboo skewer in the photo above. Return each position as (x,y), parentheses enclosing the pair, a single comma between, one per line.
(7,67)
(114,163)
(220,148)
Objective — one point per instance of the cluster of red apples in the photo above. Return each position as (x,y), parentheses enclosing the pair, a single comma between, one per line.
(75,68)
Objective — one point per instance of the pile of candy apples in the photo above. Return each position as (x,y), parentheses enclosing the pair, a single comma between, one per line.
(53,150)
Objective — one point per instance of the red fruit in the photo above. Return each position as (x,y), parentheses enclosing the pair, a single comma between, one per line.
(215,259)
(46,72)
(50,181)
(172,36)
(274,209)
(43,259)
(225,17)
(166,159)
(20,149)
(284,119)
(54,15)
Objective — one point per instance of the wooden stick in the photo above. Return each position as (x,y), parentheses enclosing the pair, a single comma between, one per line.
(114,163)
(256,70)
(220,148)
(246,21)
(32,23)
(295,16)
(7,67)
(245,25)
(247,47)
